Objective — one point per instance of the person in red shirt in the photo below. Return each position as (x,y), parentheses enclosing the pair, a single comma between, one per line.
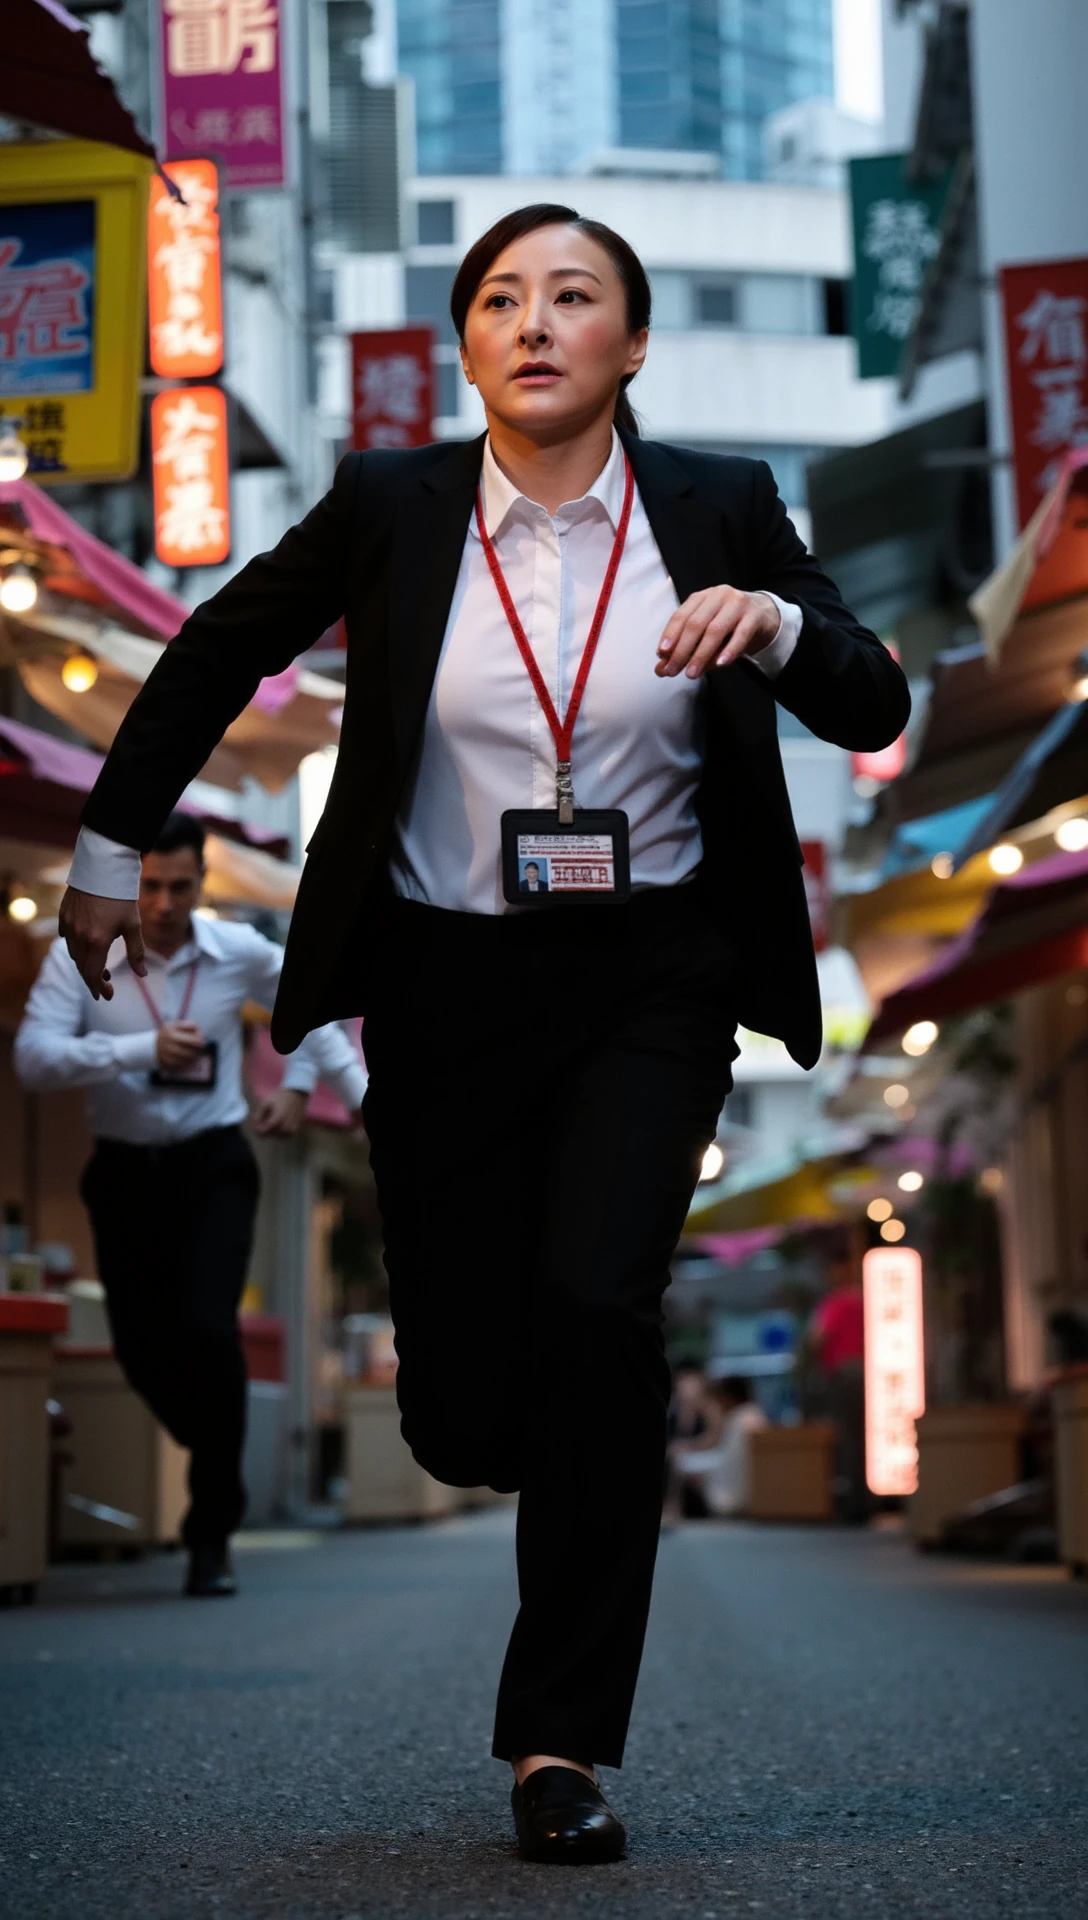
(837,1341)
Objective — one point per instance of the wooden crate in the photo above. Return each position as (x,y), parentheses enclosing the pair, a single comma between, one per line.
(792,1472)
(384,1481)
(28,1325)
(964,1453)
(1070,1404)
(121,1457)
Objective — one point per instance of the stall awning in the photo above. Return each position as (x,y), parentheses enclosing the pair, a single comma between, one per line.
(49,76)
(44,782)
(1053,772)
(1034,928)
(94,601)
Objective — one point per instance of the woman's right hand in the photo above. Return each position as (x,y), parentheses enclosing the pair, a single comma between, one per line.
(89,924)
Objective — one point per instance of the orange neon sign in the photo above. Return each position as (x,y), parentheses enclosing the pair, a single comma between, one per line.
(191,476)
(184,279)
(895,1388)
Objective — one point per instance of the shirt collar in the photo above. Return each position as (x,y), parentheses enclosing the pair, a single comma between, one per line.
(203,943)
(501,496)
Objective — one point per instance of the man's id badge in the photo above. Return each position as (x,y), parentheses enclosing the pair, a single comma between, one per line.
(199,1078)
(544,861)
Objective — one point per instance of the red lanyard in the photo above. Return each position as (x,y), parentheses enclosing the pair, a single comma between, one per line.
(186,998)
(562,731)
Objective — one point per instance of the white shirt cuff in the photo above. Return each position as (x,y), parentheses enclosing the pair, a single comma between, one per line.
(135,1051)
(772,658)
(104,867)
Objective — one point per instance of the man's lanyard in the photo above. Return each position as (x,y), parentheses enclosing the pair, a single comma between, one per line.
(562,731)
(186,998)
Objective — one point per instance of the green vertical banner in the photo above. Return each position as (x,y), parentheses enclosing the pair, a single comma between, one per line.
(897,229)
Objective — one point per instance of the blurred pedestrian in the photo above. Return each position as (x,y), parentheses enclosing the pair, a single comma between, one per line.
(548,1078)
(718,1464)
(689,1414)
(172,1184)
(836,1338)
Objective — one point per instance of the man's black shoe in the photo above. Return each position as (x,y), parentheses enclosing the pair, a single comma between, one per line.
(211,1575)
(561,1817)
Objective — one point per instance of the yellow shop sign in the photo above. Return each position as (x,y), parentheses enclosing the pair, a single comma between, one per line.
(73,221)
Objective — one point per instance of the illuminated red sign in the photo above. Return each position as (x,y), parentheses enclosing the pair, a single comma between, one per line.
(895,1388)
(1046,355)
(191,475)
(184,278)
(392,388)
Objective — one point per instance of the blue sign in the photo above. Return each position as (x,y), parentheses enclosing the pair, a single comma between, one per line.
(47,268)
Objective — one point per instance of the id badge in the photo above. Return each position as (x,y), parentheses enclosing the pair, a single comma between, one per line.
(199,1078)
(544,863)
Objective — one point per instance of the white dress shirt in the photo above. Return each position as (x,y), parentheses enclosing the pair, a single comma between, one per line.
(486,743)
(69,1039)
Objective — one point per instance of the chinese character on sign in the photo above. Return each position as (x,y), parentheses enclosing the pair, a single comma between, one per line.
(222,88)
(897,234)
(184,283)
(218,36)
(901,240)
(47,258)
(894,1368)
(1046,341)
(392,388)
(189,466)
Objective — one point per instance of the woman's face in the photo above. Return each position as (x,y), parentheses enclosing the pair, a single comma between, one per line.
(546,337)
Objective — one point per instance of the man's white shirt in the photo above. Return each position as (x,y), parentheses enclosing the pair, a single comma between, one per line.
(486,743)
(69,1039)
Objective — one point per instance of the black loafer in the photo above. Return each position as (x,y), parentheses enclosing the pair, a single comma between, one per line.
(211,1575)
(562,1817)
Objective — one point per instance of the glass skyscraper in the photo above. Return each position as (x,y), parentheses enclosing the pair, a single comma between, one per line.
(510,86)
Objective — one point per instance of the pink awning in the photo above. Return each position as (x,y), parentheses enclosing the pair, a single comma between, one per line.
(49,76)
(44,782)
(1034,927)
(126,585)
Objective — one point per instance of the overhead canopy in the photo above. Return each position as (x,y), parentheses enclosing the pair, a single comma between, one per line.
(44,782)
(49,76)
(1034,928)
(94,601)
(1051,773)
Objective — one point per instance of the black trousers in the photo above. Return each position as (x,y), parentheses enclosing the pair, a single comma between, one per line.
(173,1227)
(542,1089)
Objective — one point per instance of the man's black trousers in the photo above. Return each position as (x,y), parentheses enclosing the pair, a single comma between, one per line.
(173,1227)
(543,1086)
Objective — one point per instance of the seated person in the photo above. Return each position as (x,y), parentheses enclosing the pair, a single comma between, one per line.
(718,1463)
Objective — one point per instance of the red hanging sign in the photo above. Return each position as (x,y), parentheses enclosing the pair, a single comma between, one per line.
(191,476)
(392,388)
(184,277)
(1046,355)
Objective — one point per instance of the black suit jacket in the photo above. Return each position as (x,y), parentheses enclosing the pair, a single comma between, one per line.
(383,549)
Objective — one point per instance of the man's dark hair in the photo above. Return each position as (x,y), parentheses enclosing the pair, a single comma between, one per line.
(181,830)
(736,1386)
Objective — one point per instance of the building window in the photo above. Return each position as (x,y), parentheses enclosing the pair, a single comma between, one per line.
(427,297)
(449,384)
(434,223)
(835,319)
(716,303)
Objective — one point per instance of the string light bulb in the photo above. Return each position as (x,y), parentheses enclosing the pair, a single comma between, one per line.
(1005,858)
(941,866)
(920,1037)
(22,908)
(79,672)
(880,1209)
(14,458)
(713,1162)
(896,1095)
(1072,835)
(911,1182)
(18,589)
(892,1230)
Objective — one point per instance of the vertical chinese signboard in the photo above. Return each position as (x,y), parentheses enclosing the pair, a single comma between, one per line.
(1046,352)
(72,217)
(895,1393)
(897,225)
(185,286)
(191,477)
(222,86)
(392,388)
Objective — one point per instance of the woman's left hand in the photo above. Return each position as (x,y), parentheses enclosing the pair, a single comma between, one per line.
(715,627)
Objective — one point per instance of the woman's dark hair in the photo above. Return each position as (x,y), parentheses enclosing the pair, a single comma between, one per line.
(514,226)
(181,830)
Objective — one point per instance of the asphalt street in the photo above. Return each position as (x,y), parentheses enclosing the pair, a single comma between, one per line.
(828,1725)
